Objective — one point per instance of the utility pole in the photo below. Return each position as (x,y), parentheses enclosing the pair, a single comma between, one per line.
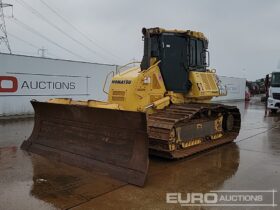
(3,31)
(42,51)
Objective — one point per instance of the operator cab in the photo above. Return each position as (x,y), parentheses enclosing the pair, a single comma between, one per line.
(178,52)
(273,101)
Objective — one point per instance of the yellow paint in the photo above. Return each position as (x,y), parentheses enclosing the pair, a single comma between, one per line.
(89,103)
(191,143)
(161,103)
(104,105)
(60,100)
(172,135)
(204,86)
(216,136)
(171,147)
(137,90)
(195,34)
(218,124)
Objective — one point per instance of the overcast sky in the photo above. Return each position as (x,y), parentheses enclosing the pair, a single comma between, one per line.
(243,34)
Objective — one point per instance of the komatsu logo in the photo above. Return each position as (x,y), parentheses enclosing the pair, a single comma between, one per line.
(124,82)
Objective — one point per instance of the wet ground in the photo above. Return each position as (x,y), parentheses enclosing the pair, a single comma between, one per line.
(33,182)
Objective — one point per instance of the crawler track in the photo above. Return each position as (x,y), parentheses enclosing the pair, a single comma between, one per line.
(182,130)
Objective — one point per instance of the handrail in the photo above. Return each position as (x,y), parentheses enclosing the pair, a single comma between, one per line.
(118,69)
(104,85)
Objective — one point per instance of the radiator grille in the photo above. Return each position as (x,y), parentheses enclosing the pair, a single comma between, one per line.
(118,93)
(117,98)
(276,96)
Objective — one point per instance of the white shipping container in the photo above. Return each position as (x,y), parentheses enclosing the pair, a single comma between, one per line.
(23,78)
(235,88)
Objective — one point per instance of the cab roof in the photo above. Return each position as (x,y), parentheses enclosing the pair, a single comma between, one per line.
(157,30)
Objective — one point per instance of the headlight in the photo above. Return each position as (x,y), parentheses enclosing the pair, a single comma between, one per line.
(270,101)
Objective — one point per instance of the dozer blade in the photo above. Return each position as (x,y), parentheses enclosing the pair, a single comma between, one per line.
(112,141)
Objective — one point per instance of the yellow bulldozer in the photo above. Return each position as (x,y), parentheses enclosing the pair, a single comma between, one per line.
(160,108)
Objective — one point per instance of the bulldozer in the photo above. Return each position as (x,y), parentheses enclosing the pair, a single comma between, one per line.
(161,108)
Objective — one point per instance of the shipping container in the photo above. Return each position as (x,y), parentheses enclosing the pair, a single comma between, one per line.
(235,88)
(23,78)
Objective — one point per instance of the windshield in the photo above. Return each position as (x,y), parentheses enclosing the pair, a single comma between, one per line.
(275,80)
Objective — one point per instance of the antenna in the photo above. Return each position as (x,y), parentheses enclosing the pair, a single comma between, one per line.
(3,31)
